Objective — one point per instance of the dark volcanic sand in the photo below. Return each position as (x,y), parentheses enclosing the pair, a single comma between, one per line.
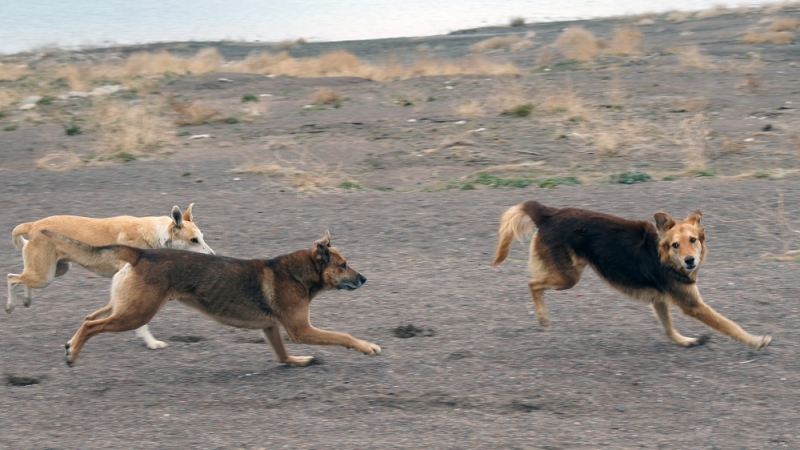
(465,363)
(489,376)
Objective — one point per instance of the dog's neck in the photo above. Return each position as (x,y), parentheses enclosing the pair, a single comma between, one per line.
(309,273)
(678,275)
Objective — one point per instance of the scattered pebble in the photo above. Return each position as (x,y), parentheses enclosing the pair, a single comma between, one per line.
(107,89)
(29,102)
(225,80)
(412,120)
(460,122)
(265,95)
(749,140)
(236,179)
(200,136)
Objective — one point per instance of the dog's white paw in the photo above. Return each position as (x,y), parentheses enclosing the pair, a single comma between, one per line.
(156,345)
(9,307)
(368,348)
(762,341)
(299,361)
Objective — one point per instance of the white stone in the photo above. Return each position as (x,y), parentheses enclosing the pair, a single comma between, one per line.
(29,102)
(107,89)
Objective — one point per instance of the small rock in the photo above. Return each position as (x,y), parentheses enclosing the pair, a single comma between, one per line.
(29,102)
(460,122)
(107,89)
(225,80)
(265,95)
(200,136)
(767,127)
(199,180)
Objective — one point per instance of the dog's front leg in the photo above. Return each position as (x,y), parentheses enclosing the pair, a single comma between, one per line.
(315,336)
(149,340)
(273,336)
(692,305)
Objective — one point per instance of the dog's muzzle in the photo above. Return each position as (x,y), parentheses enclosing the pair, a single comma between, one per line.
(690,263)
(352,285)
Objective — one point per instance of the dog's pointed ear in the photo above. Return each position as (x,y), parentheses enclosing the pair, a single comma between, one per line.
(177,216)
(695,217)
(187,216)
(323,247)
(663,221)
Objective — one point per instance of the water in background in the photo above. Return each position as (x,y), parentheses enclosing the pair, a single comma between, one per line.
(28,24)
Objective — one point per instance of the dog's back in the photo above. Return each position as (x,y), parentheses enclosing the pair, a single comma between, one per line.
(624,252)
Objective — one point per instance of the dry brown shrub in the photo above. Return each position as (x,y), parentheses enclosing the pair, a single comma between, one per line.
(77,77)
(694,104)
(714,11)
(194,113)
(691,57)
(567,103)
(495,43)
(9,72)
(750,84)
(305,173)
(784,24)
(625,42)
(693,133)
(8,97)
(578,43)
(731,145)
(679,16)
(646,21)
(301,41)
(471,108)
(517,21)
(146,63)
(767,37)
(325,96)
(134,129)
(59,161)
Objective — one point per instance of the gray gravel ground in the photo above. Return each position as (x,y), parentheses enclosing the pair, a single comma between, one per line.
(485,376)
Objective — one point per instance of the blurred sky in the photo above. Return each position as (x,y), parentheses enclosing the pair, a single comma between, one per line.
(26,24)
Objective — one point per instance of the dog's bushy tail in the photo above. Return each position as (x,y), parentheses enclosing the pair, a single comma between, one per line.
(517,223)
(87,255)
(17,235)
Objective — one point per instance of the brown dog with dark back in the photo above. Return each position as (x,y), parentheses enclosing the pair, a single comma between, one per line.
(656,264)
(262,294)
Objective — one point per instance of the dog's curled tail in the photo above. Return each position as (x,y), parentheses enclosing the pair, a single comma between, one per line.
(19,233)
(87,255)
(517,223)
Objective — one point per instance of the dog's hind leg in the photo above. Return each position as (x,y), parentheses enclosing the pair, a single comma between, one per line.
(273,336)
(149,340)
(661,308)
(38,273)
(558,272)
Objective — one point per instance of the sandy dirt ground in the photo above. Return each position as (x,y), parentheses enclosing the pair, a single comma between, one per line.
(465,364)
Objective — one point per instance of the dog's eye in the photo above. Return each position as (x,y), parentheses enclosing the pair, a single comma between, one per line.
(343,265)
(675,245)
(692,240)
(194,241)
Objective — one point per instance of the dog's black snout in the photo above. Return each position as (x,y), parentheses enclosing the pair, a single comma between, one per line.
(362,279)
(689,260)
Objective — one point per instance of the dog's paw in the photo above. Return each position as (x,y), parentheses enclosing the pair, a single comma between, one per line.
(299,361)
(762,341)
(156,345)
(9,308)
(544,321)
(368,348)
(68,354)
(26,302)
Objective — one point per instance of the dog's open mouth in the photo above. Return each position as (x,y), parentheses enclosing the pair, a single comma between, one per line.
(350,286)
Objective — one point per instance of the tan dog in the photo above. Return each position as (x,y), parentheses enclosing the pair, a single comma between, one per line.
(43,261)
(262,294)
(656,264)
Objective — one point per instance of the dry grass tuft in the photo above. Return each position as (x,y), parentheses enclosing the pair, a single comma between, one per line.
(471,108)
(784,24)
(625,42)
(714,11)
(304,174)
(146,63)
(578,43)
(567,103)
(691,57)
(679,16)
(767,37)
(77,77)
(693,133)
(10,72)
(194,113)
(132,129)
(496,43)
(325,96)
(59,161)
(517,22)
(750,84)
(646,21)
(693,104)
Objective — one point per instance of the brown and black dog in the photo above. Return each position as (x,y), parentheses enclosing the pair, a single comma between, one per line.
(262,294)
(656,264)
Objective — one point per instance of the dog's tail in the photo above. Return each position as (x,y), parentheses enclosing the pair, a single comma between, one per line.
(517,223)
(17,236)
(87,255)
